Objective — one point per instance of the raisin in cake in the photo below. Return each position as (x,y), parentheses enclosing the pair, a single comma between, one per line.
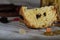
(38,17)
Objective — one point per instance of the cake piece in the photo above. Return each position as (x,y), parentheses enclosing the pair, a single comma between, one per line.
(38,17)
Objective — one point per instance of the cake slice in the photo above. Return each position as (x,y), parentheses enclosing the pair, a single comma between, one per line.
(38,17)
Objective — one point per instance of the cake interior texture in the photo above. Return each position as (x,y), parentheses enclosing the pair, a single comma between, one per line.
(39,17)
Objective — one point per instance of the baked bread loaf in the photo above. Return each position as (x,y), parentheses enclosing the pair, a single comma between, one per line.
(38,17)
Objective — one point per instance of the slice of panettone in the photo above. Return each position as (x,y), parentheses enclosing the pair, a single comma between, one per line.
(38,17)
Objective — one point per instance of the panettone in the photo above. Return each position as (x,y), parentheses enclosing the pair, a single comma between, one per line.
(38,17)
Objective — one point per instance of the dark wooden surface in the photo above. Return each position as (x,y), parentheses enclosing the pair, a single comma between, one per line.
(9,10)
(9,14)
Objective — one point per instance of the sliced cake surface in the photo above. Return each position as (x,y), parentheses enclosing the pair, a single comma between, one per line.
(38,17)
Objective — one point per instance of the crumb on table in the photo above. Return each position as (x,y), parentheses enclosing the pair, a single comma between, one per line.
(22,31)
